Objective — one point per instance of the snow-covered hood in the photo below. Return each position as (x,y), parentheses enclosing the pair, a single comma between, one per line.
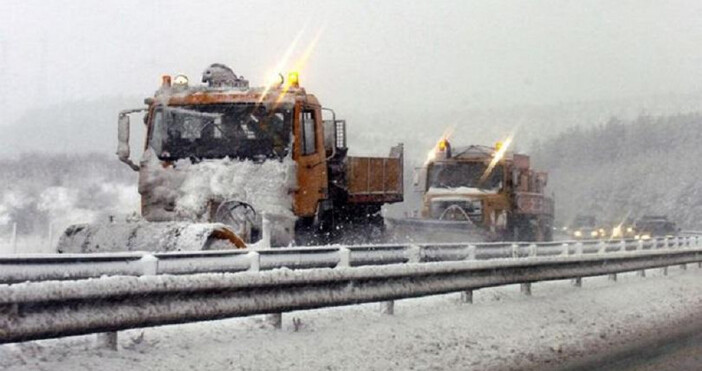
(189,188)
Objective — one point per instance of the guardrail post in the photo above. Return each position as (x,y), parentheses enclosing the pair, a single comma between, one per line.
(387,307)
(565,251)
(107,340)
(467,296)
(414,254)
(525,288)
(471,252)
(578,281)
(515,250)
(110,340)
(639,247)
(666,245)
(275,320)
(254,261)
(612,277)
(683,266)
(149,265)
(665,271)
(601,247)
(344,258)
(532,250)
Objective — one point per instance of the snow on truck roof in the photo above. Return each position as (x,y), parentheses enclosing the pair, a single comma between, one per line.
(472,151)
(224,86)
(208,95)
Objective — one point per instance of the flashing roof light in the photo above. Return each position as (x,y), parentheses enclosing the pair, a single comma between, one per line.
(181,80)
(442,151)
(498,145)
(443,144)
(294,79)
(166,80)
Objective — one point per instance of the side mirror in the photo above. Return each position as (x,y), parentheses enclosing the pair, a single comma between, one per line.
(123,138)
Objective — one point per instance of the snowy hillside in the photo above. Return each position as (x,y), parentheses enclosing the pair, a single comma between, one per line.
(644,166)
(44,193)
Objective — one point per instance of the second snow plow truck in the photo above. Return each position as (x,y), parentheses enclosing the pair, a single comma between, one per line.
(478,193)
(226,165)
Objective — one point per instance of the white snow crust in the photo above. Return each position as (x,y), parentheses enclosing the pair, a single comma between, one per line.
(460,191)
(266,186)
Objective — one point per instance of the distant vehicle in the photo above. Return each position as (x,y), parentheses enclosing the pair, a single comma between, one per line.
(650,226)
(477,193)
(623,230)
(585,227)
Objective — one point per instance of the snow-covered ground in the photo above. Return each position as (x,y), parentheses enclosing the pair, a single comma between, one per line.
(27,245)
(502,329)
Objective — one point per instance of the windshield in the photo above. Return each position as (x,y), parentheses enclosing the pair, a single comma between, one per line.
(463,174)
(223,130)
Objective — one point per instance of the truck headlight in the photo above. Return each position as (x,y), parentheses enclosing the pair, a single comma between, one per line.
(616,232)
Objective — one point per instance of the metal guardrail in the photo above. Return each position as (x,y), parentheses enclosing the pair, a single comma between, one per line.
(38,310)
(690,233)
(15,269)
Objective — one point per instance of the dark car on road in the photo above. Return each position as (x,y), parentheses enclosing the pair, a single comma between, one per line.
(650,226)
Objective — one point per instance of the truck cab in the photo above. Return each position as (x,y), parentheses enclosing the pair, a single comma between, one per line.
(491,188)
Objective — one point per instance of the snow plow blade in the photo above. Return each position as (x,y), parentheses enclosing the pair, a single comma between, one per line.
(147,236)
(415,230)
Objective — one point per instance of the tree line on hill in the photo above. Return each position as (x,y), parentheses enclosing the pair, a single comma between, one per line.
(646,166)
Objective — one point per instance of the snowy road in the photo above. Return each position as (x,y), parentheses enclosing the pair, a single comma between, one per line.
(681,354)
(502,330)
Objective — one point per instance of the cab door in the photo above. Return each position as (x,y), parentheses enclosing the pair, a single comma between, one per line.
(309,155)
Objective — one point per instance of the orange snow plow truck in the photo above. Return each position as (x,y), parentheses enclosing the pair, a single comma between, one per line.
(227,165)
(478,193)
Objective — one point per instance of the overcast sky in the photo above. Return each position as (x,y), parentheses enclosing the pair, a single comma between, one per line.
(371,54)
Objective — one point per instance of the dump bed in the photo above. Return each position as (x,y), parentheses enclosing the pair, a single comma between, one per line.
(533,203)
(375,179)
